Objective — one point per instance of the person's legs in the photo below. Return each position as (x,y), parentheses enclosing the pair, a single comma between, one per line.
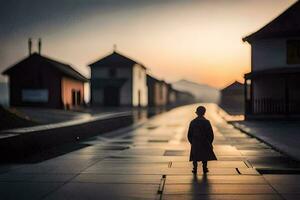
(195,164)
(204,166)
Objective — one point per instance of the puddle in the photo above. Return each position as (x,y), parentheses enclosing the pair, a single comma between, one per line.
(159,141)
(174,153)
(116,148)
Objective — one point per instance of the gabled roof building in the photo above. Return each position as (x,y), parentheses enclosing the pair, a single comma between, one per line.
(39,81)
(117,80)
(232,97)
(273,85)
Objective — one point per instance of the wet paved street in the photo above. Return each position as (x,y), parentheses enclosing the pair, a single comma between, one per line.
(151,162)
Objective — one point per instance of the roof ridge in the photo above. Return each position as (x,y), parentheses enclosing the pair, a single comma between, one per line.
(273,21)
(117,53)
(66,69)
(232,84)
(69,66)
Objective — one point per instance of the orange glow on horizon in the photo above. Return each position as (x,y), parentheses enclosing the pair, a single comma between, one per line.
(196,40)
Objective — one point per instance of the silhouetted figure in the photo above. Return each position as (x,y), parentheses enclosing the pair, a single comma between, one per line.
(201,136)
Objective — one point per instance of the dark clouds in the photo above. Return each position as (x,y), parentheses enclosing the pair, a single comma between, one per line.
(17,15)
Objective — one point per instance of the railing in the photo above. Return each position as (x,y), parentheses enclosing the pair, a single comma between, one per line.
(273,106)
(294,107)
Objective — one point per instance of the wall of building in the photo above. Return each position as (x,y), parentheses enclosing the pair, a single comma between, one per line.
(294,93)
(265,97)
(4,99)
(35,85)
(158,93)
(161,91)
(97,95)
(234,98)
(164,93)
(171,97)
(269,54)
(67,86)
(151,91)
(139,84)
(126,89)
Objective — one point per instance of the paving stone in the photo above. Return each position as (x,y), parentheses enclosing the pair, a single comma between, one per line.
(15,177)
(204,188)
(74,191)
(291,196)
(212,164)
(217,152)
(287,189)
(115,179)
(263,152)
(147,158)
(248,171)
(148,152)
(130,165)
(188,171)
(26,190)
(19,177)
(212,179)
(158,140)
(42,169)
(283,179)
(222,197)
(98,169)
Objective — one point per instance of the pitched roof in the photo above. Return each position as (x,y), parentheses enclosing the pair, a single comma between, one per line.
(62,67)
(276,71)
(234,86)
(287,24)
(115,59)
(149,77)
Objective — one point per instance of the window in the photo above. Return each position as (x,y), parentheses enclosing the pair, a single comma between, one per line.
(293,52)
(35,95)
(112,73)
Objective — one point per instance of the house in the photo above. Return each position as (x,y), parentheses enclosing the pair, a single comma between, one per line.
(39,81)
(157,92)
(273,85)
(183,97)
(232,97)
(154,88)
(117,80)
(164,93)
(171,95)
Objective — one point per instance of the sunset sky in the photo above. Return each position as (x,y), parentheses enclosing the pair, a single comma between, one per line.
(198,40)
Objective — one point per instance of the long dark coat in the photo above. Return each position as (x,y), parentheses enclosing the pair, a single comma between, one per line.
(201,136)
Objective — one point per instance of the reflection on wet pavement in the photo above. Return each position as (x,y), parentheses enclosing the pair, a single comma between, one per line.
(151,162)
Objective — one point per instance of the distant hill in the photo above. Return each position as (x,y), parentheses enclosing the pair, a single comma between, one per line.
(3,93)
(202,92)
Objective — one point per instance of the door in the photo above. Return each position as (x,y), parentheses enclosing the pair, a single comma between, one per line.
(111,96)
(78,98)
(139,98)
(73,97)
